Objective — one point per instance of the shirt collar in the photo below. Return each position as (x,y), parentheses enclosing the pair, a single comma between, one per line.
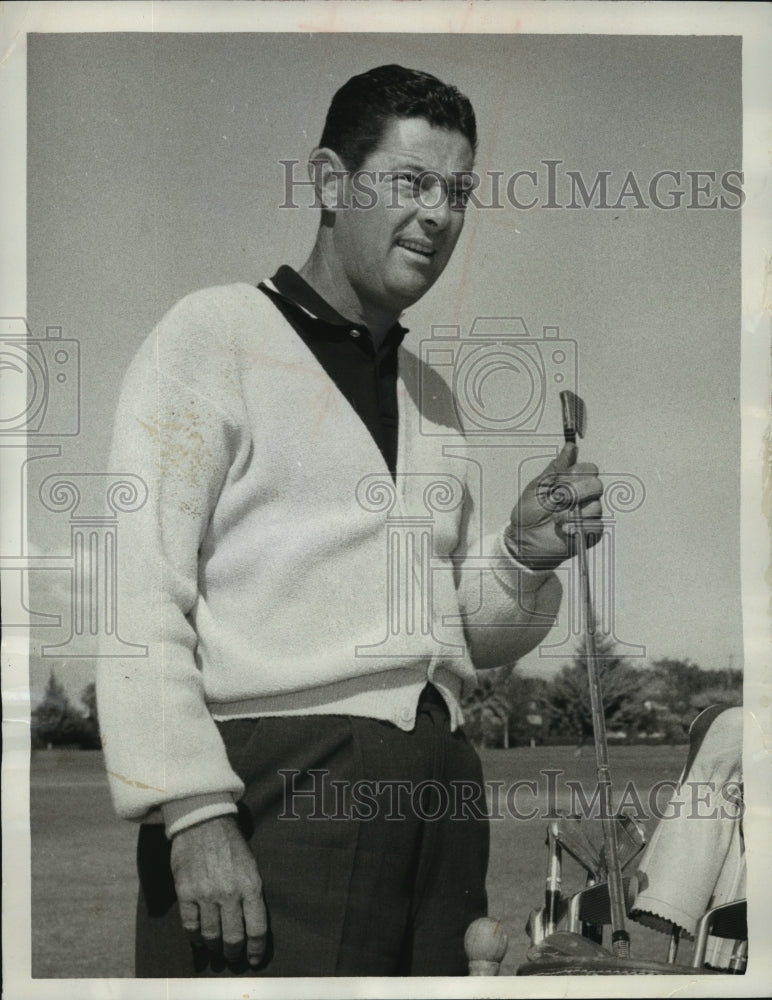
(288,285)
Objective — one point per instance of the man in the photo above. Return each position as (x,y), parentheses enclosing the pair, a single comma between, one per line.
(291,767)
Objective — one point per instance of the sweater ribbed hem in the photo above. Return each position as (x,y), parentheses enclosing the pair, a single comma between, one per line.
(390,696)
(179,814)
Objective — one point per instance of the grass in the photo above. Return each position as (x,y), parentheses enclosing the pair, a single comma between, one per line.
(83,872)
(84,882)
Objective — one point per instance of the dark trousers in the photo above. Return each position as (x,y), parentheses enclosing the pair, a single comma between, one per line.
(372,844)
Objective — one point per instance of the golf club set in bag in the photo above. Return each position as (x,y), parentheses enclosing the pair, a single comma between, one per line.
(566,933)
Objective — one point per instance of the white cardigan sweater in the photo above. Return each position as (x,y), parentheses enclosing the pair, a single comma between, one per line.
(256,572)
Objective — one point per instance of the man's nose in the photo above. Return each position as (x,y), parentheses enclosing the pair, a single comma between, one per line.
(434,211)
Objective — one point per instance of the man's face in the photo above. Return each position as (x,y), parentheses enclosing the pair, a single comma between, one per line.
(394,250)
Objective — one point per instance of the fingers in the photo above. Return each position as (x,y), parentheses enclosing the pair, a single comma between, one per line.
(579,487)
(211,930)
(566,458)
(220,929)
(591,511)
(583,474)
(232,932)
(256,923)
(190,922)
(220,893)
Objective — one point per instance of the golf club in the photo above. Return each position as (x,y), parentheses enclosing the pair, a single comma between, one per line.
(574,423)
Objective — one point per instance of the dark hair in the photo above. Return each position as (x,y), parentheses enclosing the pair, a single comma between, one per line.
(364,105)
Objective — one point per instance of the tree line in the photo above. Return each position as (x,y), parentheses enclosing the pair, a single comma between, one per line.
(655,703)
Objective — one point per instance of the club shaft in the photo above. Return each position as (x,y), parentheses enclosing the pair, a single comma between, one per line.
(552,885)
(620,940)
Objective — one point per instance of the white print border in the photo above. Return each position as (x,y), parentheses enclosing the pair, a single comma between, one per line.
(621,19)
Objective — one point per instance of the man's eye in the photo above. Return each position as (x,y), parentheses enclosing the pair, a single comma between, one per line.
(459,200)
(407,178)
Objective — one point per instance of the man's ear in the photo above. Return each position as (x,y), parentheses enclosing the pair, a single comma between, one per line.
(328,174)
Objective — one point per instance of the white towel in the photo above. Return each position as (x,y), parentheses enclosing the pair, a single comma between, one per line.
(696,860)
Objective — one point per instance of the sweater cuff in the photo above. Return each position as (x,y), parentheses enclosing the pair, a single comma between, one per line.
(515,577)
(179,814)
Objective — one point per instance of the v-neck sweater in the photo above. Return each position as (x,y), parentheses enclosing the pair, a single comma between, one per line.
(262,573)
(363,370)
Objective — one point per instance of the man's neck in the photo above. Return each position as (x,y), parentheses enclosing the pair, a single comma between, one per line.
(333,288)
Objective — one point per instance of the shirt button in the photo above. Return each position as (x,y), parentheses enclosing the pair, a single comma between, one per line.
(355,333)
(407,714)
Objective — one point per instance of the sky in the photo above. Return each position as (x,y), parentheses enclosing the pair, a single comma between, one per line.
(154,168)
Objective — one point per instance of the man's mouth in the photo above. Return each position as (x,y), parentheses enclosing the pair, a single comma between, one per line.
(420,247)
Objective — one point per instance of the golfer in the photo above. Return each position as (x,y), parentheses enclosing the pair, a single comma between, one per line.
(301,577)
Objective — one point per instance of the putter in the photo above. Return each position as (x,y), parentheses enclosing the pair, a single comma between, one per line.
(574,423)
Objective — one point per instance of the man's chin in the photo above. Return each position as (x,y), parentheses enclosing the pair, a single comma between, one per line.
(408,289)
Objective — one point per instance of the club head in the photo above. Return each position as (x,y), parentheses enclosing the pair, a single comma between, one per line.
(631,840)
(573,838)
(574,415)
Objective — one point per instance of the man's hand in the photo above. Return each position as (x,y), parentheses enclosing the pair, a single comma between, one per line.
(566,488)
(219,890)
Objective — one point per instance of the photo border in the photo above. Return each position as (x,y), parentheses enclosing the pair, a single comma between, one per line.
(753,23)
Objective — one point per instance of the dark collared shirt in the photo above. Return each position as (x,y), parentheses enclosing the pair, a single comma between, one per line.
(366,376)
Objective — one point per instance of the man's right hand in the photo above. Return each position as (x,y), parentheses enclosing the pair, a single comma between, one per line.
(219,890)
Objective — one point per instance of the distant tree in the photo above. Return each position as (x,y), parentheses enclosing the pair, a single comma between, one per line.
(716,696)
(530,713)
(568,693)
(56,723)
(487,708)
(88,697)
(682,689)
(91,738)
(675,682)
